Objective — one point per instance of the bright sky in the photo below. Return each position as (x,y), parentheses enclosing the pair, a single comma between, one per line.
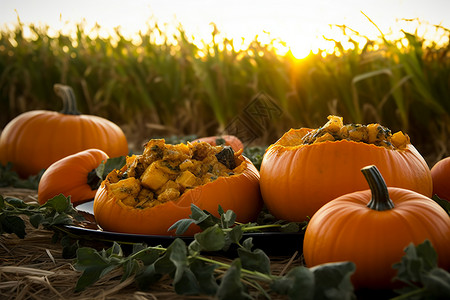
(300,23)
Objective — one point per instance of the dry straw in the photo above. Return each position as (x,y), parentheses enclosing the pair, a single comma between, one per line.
(33,268)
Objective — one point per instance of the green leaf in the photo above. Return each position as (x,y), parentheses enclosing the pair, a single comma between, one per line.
(187,283)
(419,271)
(233,236)
(12,224)
(298,283)
(231,286)
(165,264)
(203,218)
(59,203)
(147,276)
(332,280)
(8,177)
(256,260)
(443,203)
(130,267)
(248,243)
(181,226)
(114,163)
(227,219)
(437,283)
(145,255)
(415,262)
(178,256)
(200,217)
(205,276)
(94,266)
(211,239)
(70,247)
(15,202)
(290,227)
(36,220)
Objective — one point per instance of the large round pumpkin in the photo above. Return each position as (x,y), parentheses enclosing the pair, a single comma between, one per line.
(34,140)
(239,192)
(372,228)
(440,173)
(73,176)
(298,178)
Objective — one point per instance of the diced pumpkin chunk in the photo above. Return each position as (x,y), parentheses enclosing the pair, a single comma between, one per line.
(168,195)
(325,137)
(153,177)
(334,124)
(187,179)
(165,171)
(125,188)
(130,201)
(399,139)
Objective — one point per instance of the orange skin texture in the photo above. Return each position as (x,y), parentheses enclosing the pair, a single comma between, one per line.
(230,140)
(345,229)
(296,181)
(68,176)
(34,140)
(440,173)
(239,193)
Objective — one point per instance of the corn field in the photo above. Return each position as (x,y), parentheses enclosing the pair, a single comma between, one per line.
(176,88)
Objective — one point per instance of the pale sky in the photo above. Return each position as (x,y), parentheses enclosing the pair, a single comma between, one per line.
(292,21)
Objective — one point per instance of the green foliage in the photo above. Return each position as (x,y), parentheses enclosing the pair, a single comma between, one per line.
(443,203)
(418,269)
(193,273)
(196,274)
(10,178)
(55,211)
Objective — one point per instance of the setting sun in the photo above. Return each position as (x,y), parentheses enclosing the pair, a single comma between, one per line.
(301,26)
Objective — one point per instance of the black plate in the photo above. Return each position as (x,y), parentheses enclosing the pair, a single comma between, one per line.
(273,243)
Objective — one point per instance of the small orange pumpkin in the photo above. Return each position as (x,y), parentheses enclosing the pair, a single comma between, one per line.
(34,140)
(371,230)
(440,173)
(239,192)
(298,178)
(223,140)
(72,176)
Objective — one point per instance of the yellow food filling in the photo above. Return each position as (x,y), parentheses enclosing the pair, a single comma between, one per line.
(163,172)
(335,130)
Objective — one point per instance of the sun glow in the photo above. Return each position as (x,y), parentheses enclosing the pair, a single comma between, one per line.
(299,27)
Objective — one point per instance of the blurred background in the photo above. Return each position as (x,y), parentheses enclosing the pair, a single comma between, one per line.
(189,68)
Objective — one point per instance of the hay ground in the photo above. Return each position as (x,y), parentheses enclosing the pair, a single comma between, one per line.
(33,268)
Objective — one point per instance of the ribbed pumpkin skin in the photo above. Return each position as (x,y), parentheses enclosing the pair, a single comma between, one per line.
(345,229)
(296,181)
(34,140)
(69,176)
(239,193)
(440,173)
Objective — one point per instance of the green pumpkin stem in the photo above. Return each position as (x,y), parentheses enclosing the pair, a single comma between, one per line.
(380,196)
(67,95)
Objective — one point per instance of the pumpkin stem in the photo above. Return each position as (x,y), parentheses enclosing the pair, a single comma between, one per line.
(380,196)
(67,95)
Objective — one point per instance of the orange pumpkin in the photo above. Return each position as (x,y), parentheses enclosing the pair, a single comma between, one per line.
(72,176)
(372,228)
(440,173)
(239,192)
(298,178)
(34,140)
(223,140)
